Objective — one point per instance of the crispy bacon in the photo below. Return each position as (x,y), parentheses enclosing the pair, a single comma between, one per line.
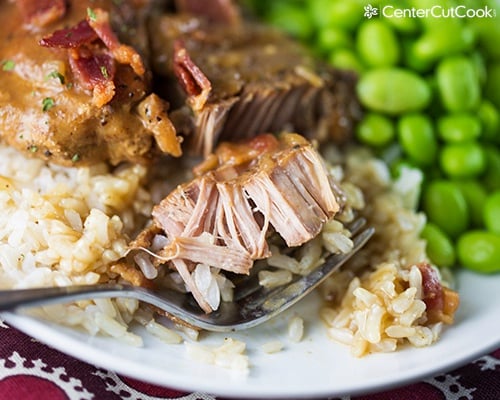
(41,12)
(122,53)
(71,38)
(192,79)
(441,302)
(92,64)
(95,72)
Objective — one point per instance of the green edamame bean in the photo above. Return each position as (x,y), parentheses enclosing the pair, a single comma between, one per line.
(475,197)
(458,84)
(488,32)
(416,137)
(292,20)
(439,246)
(343,14)
(403,25)
(479,251)
(445,206)
(375,130)
(491,178)
(492,212)
(331,37)
(377,44)
(490,121)
(459,127)
(439,43)
(462,160)
(393,91)
(346,59)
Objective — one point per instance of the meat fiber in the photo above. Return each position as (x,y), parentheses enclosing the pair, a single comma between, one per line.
(241,194)
(235,79)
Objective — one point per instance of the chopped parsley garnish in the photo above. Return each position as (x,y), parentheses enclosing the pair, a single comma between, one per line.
(47,103)
(91,14)
(33,148)
(8,65)
(104,72)
(75,158)
(56,75)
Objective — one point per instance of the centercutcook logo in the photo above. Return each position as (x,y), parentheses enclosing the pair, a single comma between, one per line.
(436,11)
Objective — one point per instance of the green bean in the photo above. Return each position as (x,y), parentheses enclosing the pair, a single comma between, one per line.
(458,84)
(475,197)
(492,212)
(377,44)
(459,127)
(393,91)
(479,251)
(439,247)
(462,160)
(416,136)
(375,130)
(445,206)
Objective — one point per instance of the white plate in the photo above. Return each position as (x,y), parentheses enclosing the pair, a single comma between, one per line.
(312,368)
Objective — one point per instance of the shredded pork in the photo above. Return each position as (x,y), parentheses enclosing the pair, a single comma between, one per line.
(242,193)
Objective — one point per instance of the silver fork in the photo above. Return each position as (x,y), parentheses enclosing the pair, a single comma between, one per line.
(252,305)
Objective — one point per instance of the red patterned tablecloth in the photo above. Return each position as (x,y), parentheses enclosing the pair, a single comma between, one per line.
(30,370)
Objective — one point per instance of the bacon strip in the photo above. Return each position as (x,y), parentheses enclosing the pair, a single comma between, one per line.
(70,38)
(122,53)
(92,64)
(41,12)
(192,79)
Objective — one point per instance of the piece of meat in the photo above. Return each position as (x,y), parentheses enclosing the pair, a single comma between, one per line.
(242,193)
(240,79)
(78,90)
(441,302)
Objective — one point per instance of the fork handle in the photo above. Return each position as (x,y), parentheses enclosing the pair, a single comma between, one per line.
(12,299)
